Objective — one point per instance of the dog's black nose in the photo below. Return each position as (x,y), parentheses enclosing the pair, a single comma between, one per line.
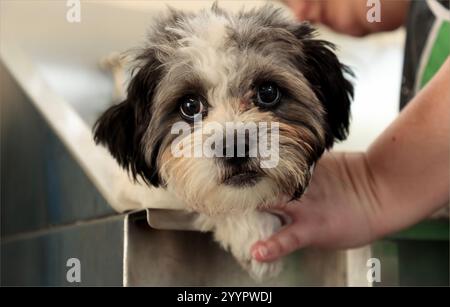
(236,155)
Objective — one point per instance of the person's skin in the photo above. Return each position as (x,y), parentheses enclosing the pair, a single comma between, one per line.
(350,16)
(355,198)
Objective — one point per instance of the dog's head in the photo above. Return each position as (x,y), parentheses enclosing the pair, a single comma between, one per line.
(256,67)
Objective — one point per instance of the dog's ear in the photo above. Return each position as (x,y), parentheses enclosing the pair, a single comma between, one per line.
(121,128)
(328,78)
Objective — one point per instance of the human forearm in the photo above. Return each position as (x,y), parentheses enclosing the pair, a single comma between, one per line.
(410,160)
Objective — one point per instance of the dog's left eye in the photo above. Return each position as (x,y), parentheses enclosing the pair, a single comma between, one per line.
(191,107)
(267,95)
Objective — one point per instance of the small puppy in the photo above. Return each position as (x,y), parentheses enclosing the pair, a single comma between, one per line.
(214,68)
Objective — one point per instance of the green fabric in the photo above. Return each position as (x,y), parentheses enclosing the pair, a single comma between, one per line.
(432,230)
(439,53)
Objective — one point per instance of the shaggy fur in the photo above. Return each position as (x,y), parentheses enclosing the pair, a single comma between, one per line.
(222,58)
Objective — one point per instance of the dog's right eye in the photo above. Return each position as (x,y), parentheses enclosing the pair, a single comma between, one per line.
(191,107)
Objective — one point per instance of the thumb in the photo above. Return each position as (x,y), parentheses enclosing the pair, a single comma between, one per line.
(287,240)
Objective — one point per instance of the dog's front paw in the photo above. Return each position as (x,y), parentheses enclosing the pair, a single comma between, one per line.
(237,233)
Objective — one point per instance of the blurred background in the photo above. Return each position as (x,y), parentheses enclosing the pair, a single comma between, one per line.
(58,188)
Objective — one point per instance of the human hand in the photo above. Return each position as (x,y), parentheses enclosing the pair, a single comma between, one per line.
(333,213)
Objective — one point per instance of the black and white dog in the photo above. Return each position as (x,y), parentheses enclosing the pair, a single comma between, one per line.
(257,66)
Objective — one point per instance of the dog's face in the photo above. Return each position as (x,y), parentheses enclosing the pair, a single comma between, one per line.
(253,67)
